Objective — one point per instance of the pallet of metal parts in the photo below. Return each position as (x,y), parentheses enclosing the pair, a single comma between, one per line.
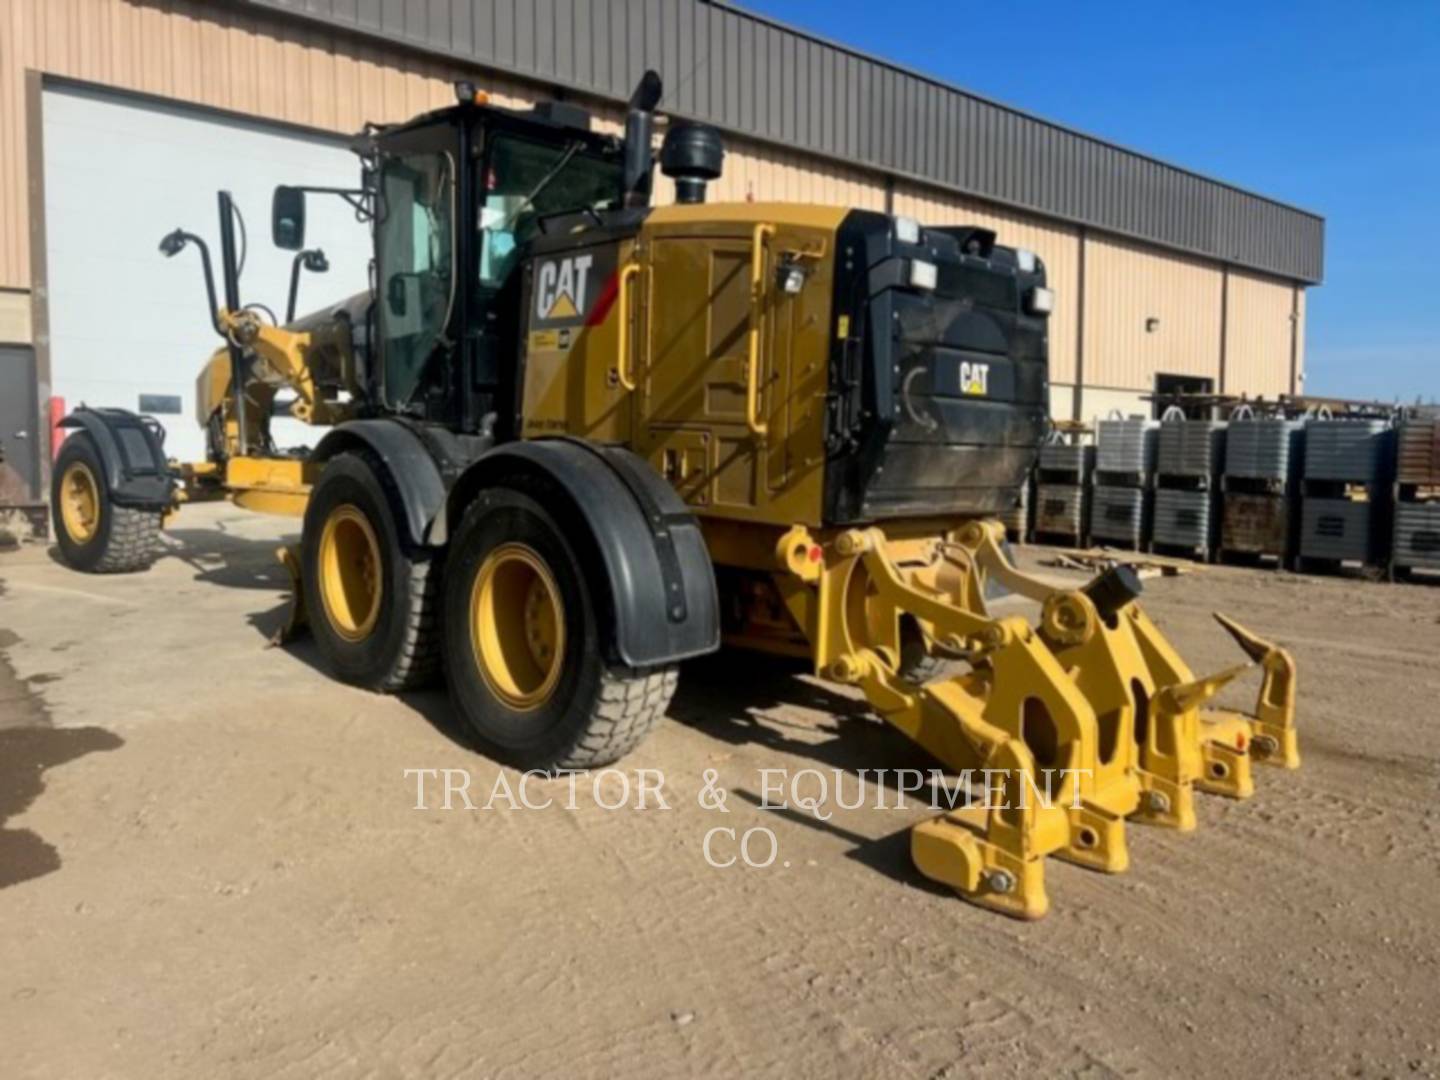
(1416,542)
(1418,456)
(1062,458)
(1062,512)
(1184,520)
(1260,509)
(1415,538)
(1120,514)
(1334,531)
(1017,519)
(1345,492)
(1189,450)
(1257,525)
(1262,452)
(1126,447)
(1347,451)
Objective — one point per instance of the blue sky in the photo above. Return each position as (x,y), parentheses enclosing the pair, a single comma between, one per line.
(1334,107)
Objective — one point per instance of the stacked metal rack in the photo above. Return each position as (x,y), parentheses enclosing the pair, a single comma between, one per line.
(1124,468)
(1017,519)
(1188,462)
(1345,493)
(1415,544)
(1259,486)
(1062,488)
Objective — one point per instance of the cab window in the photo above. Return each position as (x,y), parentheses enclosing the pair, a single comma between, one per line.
(528,180)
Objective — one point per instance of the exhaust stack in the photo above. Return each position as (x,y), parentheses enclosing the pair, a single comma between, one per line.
(638,175)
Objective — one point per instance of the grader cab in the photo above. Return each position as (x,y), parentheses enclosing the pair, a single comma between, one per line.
(575,439)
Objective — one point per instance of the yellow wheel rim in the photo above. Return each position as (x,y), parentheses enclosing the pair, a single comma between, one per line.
(517,626)
(79,502)
(351,581)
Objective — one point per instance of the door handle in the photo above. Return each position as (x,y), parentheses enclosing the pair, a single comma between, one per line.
(622,360)
(757,426)
(22,434)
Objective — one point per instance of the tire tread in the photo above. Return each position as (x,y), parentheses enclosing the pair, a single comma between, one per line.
(418,662)
(627,708)
(133,543)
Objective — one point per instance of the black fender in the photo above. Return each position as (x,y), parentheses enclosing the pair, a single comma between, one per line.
(417,478)
(132,449)
(656,594)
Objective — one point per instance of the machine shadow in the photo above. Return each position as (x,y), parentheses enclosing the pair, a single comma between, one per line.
(236,562)
(220,558)
(740,711)
(26,754)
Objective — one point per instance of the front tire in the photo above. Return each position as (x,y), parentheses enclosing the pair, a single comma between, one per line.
(370,598)
(523,654)
(93,533)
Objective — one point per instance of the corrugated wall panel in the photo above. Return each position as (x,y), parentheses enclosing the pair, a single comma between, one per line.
(1058,245)
(1257,334)
(238,60)
(760,85)
(1126,284)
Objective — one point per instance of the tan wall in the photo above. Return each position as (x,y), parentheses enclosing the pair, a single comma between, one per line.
(1126,284)
(1058,245)
(1299,386)
(1258,330)
(15,317)
(758,173)
(1097,403)
(1062,401)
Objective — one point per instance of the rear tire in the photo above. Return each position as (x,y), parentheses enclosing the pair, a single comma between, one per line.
(372,601)
(523,655)
(93,533)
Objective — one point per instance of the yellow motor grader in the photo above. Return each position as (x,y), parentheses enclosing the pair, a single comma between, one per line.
(575,439)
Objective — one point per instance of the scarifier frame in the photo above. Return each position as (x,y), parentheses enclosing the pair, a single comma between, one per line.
(1087,719)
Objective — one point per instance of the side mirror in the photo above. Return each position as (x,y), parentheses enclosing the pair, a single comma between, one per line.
(287,218)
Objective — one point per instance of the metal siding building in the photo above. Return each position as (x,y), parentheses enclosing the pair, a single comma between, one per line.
(1158,270)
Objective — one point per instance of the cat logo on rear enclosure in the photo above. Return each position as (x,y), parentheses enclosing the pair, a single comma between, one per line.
(974,378)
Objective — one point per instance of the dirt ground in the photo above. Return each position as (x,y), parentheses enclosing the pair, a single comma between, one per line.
(211,865)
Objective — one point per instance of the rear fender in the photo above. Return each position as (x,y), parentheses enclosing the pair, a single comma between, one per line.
(133,453)
(656,594)
(416,475)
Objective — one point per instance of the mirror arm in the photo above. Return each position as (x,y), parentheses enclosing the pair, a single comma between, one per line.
(209,281)
(295,265)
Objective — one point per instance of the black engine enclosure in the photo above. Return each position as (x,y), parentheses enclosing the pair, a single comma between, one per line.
(904,438)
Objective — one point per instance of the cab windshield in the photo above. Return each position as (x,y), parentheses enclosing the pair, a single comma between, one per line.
(529,180)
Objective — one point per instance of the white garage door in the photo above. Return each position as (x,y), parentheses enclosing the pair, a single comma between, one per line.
(120,173)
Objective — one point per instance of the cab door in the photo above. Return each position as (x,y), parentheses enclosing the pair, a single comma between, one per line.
(417,272)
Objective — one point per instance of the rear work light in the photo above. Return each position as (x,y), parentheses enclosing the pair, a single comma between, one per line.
(1040,301)
(923,275)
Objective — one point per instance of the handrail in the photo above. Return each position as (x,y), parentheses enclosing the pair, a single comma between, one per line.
(757,426)
(622,352)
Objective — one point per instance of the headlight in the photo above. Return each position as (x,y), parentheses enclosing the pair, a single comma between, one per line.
(1040,301)
(923,275)
(1025,260)
(907,230)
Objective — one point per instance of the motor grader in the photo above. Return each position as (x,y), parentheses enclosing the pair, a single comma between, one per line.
(575,439)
